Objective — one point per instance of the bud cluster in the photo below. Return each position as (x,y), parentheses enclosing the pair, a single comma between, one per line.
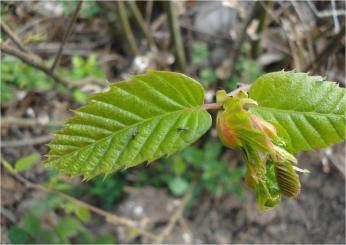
(270,169)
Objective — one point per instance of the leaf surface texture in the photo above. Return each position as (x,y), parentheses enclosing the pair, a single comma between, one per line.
(311,110)
(143,119)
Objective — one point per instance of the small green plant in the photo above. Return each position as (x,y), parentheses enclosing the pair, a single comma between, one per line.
(89,9)
(246,68)
(160,113)
(108,190)
(70,228)
(179,170)
(200,52)
(82,68)
(33,230)
(16,74)
(200,55)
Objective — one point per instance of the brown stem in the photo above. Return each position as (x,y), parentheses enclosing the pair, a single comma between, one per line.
(67,34)
(173,24)
(27,122)
(25,142)
(13,37)
(327,51)
(111,218)
(33,61)
(242,36)
(141,22)
(262,23)
(212,106)
(125,24)
(175,217)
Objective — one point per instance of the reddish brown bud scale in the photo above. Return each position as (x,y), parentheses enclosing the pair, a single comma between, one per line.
(264,126)
(227,136)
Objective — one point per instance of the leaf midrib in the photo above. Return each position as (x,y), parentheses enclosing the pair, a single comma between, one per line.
(312,113)
(132,126)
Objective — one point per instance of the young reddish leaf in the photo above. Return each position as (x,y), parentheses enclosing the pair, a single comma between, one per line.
(269,166)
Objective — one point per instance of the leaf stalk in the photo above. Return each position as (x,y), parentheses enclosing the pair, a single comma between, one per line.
(212,106)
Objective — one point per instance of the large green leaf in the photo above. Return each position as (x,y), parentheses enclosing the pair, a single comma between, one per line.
(311,110)
(139,120)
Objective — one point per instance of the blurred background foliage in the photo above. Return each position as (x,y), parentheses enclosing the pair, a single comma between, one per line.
(225,44)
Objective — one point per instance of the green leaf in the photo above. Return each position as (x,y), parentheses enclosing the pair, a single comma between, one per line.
(179,166)
(104,239)
(83,214)
(207,76)
(48,236)
(150,116)
(69,227)
(311,110)
(27,162)
(109,190)
(86,238)
(32,224)
(79,96)
(19,236)
(77,62)
(178,186)
(200,52)
(48,203)
(8,167)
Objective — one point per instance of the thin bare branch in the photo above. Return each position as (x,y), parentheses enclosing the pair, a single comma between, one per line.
(28,141)
(13,37)
(175,217)
(148,11)
(176,35)
(126,28)
(111,218)
(141,22)
(327,51)
(67,34)
(34,61)
(212,106)
(242,35)
(261,26)
(27,122)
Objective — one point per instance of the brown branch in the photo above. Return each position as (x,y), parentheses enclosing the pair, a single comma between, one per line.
(175,217)
(26,122)
(240,41)
(67,34)
(141,22)
(261,26)
(13,37)
(327,51)
(172,20)
(111,218)
(33,61)
(127,28)
(212,106)
(148,11)
(25,142)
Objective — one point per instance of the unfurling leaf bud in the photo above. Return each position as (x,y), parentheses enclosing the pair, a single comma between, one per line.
(226,134)
(287,179)
(264,126)
(269,166)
